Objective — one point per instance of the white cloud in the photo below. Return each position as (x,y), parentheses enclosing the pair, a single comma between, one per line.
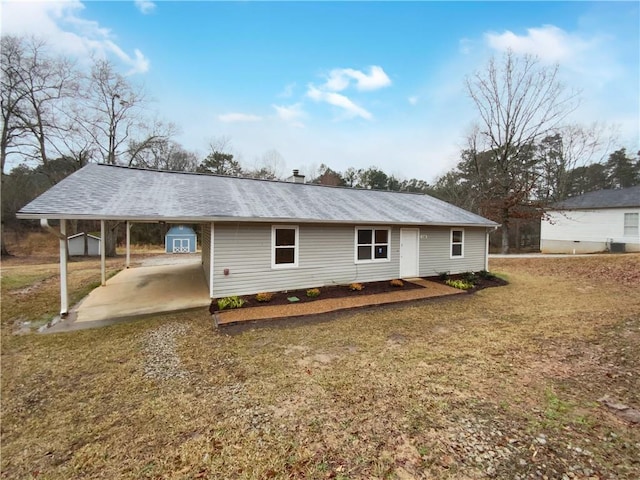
(145,6)
(67,32)
(288,90)
(290,114)
(238,117)
(549,43)
(340,78)
(412,100)
(338,100)
(465,46)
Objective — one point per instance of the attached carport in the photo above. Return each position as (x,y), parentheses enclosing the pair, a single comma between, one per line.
(161,285)
(113,194)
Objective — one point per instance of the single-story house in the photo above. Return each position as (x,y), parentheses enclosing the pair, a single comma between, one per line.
(84,244)
(266,235)
(180,239)
(604,220)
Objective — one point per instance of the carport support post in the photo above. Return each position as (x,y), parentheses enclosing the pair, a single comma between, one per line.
(103,254)
(64,297)
(128,229)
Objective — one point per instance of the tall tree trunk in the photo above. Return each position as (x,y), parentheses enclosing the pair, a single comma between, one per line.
(5,252)
(505,231)
(111,236)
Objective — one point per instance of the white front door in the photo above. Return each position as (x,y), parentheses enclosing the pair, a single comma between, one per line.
(409,252)
(180,245)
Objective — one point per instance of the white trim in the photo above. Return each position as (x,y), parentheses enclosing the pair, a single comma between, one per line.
(103,256)
(328,221)
(296,247)
(81,234)
(211,260)
(373,240)
(486,254)
(127,262)
(451,255)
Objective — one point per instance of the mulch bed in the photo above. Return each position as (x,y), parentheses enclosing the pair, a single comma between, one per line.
(480,283)
(337,291)
(340,291)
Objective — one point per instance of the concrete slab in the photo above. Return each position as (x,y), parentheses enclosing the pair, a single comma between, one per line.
(145,290)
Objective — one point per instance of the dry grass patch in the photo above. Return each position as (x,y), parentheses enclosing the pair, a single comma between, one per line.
(500,384)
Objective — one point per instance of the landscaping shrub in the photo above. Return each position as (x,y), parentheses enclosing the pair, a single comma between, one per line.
(486,275)
(460,284)
(443,276)
(396,283)
(356,287)
(230,302)
(469,277)
(313,292)
(263,297)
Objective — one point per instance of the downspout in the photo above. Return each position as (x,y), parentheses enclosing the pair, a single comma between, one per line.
(62,237)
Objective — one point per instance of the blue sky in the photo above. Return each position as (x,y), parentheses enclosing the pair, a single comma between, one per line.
(345,84)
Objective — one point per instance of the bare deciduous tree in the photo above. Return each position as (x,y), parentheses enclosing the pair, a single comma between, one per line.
(34,88)
(572,146)
(114,107)
(519,101)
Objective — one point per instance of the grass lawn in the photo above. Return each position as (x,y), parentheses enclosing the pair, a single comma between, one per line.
(502,384)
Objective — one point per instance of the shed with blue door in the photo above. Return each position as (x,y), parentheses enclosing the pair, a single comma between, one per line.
(180,239)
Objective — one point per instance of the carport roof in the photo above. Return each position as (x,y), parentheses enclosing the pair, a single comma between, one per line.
(106,192)
(615,198)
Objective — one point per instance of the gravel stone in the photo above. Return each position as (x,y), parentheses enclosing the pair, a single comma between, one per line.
(162,361)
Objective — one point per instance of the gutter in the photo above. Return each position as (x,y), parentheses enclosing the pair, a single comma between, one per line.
(32,216)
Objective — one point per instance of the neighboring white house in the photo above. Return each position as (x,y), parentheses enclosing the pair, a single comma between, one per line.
(82,244)
(606,220)
(265,235)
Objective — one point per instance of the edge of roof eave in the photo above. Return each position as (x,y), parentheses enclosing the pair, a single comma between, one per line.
(53,216)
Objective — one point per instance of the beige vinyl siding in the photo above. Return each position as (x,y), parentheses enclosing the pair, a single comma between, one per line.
(326,257)
(206,251)
(435,251)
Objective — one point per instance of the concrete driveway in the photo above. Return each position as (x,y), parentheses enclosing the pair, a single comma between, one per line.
(141,291)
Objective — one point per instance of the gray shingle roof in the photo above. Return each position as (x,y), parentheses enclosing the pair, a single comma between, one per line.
(110,192)
(619,198)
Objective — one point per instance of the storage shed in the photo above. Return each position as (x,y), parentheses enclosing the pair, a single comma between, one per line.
(180,239)
(84,244)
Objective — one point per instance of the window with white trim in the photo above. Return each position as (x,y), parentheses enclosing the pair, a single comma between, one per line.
(284,246)
(372,244)
(457,243)
(631,224)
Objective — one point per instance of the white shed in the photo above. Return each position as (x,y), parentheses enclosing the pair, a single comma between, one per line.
(605,220)
(84,244)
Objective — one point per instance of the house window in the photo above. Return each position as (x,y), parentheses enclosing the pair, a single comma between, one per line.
(284,241)
(631,223)
(457,243)
(372,245)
